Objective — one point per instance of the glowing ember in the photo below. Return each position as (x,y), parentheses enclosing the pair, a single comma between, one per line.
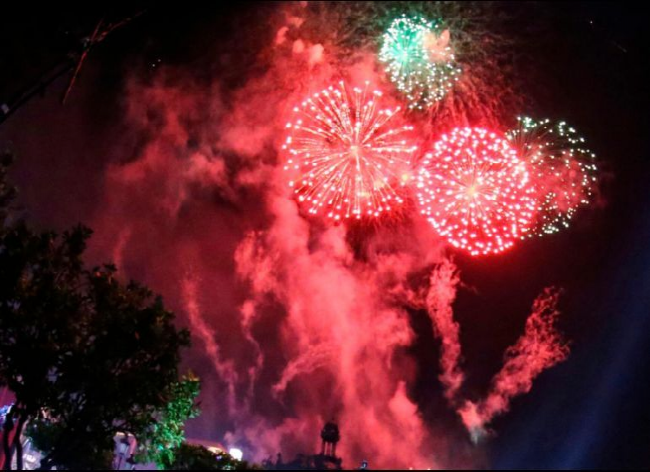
(475,191)
(345,157)
(563,168)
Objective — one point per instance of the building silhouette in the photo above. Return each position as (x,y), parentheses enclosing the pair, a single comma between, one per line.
(325,460)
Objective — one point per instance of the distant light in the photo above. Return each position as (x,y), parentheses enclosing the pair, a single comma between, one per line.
(236,453)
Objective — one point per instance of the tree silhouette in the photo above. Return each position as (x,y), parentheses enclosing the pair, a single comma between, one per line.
(85,355)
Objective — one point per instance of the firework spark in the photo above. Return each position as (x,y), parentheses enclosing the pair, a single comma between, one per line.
(345,156)
(563,168)
(419,60)
(475,191)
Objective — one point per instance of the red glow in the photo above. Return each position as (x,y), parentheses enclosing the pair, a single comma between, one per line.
(443,282)
(475,191)
(346,156)
(539,348)
(292,325)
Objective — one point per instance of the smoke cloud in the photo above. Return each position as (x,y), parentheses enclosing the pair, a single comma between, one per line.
(294,323)
(442,292)
(539,348)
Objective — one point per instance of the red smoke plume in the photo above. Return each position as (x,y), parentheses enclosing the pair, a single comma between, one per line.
(439,299)
(539,348)
(293,323)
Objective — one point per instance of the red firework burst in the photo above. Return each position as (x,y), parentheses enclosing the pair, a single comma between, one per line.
(475,191)
(345,155)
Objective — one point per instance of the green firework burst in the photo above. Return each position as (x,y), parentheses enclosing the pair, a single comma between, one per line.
(419,60)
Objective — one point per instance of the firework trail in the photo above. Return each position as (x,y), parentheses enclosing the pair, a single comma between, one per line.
(475,191)
(443,282)
(224,368)
(118,251)
(349,159)
(539,348)
(562,167)
(249,314)
(312,358)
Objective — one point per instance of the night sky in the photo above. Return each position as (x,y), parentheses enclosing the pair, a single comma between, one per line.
(588,63)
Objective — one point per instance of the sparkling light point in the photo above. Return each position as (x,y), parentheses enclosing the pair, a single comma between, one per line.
(563,168)
(345,157)
(475,191)
(419,60)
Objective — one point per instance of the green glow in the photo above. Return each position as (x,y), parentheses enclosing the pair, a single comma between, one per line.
(563,166)
(418,60)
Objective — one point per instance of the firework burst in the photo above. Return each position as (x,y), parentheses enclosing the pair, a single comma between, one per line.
(562,166)
(475,191)
(346,156)
(419,60)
